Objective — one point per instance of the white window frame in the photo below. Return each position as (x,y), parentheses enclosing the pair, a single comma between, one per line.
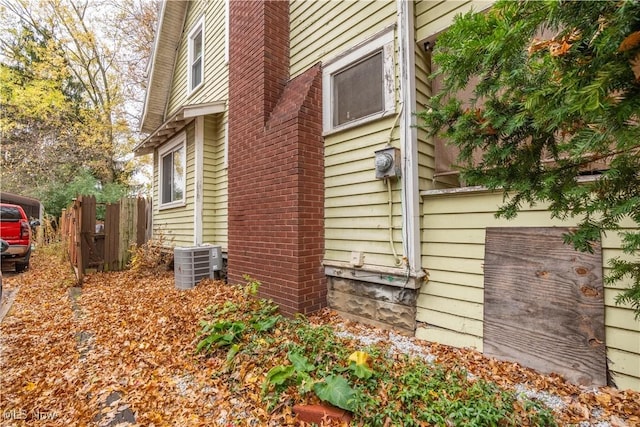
(381,42)
(179,141)
(197,28)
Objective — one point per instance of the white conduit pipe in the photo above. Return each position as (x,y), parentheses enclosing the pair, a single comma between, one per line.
(397,260)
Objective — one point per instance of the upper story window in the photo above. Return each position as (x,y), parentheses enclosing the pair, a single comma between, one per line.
(172,167)
(359,85)
(196,56)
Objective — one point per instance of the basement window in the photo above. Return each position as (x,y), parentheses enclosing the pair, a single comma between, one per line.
(196,57)
(359,85)
(172,172)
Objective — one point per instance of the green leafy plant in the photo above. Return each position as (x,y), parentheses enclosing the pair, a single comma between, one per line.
(336,390)
(297,359)
(219,334)
(359,365)
(298,371)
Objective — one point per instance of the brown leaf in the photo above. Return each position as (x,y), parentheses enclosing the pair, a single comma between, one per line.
(538,45)
(617,422)
(559,49)
(631,41)
(603,399)
(635,66)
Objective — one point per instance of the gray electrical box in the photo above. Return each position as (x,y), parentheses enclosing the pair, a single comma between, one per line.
(387,162)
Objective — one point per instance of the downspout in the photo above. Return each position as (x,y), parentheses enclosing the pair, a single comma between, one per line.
(409,139)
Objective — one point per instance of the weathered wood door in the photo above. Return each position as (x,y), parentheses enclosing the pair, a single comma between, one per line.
(543,303)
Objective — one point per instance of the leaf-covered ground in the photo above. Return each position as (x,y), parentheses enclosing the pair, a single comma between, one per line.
(124,346)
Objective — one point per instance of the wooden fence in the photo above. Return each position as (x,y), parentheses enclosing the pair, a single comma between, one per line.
(97,246)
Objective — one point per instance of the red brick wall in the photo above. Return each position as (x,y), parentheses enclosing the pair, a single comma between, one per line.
(276,163)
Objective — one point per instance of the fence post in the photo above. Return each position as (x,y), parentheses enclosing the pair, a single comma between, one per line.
(78,249)
(148,203)
(112,233)
(128,213)
(141,223)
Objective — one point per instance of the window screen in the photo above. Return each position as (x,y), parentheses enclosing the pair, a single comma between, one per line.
(173,165)
(196,55)
(358,91)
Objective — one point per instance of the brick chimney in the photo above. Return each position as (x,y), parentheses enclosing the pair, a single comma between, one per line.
(276,161)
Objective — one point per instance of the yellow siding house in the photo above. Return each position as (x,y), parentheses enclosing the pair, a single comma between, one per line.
(402,242)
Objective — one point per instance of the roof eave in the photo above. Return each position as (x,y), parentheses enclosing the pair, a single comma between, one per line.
(168,35)
(176,123)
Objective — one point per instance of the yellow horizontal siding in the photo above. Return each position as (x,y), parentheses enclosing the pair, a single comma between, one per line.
(477,219)
(174,226)
(381,234)
(374,134)
(367,187)
(356,203)
(624,382)
(457,278)
(455,323)
(455,291)
(214,189)
(355,213)
(464,265)
(628,363)
(453,235)
(619,317)
(623,339)
(379,198)
(215,86)
(448,337)
(335,224)
(364,176)
(319,30)
(473,251)
(368,246)
(471,235)
(426,160)
(433,17)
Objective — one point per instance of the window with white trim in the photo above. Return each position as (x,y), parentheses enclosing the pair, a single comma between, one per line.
(359,85)
(195,70)
(172,168)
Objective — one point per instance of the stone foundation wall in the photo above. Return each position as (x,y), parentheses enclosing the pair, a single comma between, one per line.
(389,307)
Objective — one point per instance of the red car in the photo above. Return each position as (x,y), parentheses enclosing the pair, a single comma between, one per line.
(15,229)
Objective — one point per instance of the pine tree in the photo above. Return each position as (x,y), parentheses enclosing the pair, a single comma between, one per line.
(555,115)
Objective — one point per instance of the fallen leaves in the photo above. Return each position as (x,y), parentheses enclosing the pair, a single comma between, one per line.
(134,336)
(39,353)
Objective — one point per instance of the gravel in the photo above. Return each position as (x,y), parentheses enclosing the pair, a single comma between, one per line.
(399,344)
(551,401)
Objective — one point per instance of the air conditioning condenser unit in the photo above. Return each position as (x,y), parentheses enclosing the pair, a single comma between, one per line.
(192,264)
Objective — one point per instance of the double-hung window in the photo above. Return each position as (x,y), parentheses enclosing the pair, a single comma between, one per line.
(172,172)
(359,85)
(195,70)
